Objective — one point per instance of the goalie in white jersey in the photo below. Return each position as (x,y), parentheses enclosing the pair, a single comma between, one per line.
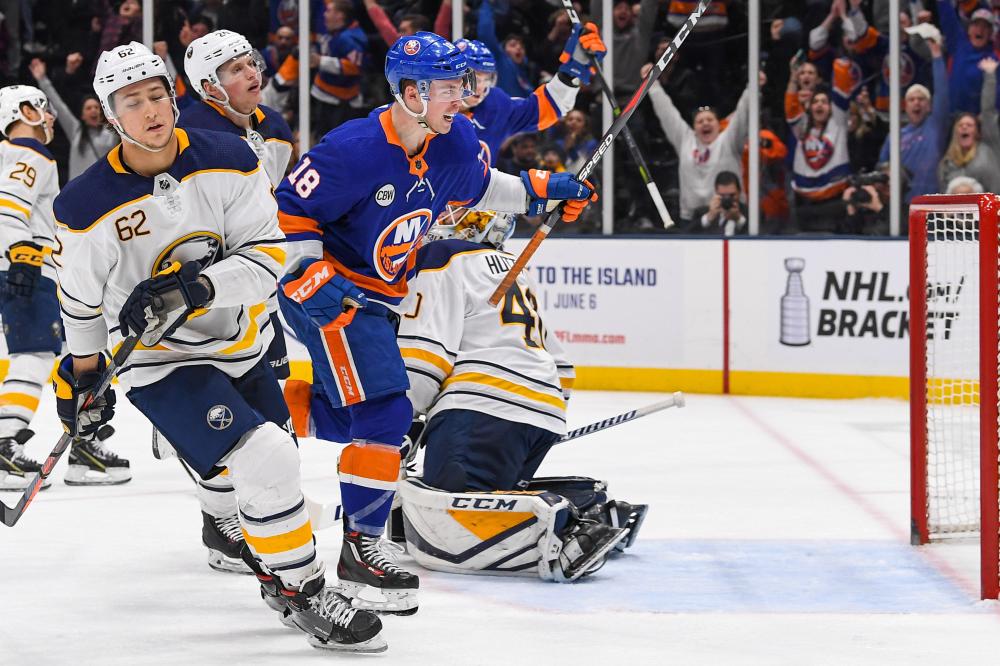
(29,183)
(493,387)
(174,237)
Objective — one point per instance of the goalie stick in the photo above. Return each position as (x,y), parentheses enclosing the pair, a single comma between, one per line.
(10,515)
(602,147)
(633,148)
(675,400)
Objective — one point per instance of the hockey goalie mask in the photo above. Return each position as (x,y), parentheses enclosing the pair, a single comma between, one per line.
(478,226)
(123,66)
(12,101)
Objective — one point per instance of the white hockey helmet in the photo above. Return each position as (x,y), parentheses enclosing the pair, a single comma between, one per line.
(123,66)
(12,98)
(478,226)
(205,55)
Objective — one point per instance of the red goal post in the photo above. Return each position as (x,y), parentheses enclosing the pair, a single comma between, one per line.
(954,362)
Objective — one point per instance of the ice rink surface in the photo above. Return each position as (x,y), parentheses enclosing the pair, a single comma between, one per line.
(777,534)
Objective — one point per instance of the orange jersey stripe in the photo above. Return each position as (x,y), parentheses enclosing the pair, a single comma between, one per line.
(548,115)
(296,224)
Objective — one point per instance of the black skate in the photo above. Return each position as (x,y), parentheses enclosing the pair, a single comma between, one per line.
(270,588)
(224,539)
(585,548)
(330,620)
(620,514)
(16,469)
(372,580)
(91,464)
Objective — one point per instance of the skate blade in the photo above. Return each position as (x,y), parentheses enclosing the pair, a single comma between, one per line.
(366,597)
(220,562)
(595,558)
(80,475)
(371,646)
(633,527)
(15,483)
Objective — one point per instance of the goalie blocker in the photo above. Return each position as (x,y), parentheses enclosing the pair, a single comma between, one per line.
(540,531)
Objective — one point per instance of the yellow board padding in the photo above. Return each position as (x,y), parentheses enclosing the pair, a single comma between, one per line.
(589,378)
(488,524)
(817,385)
(280,543)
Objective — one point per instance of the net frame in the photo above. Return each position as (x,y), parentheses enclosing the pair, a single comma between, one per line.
(975,217)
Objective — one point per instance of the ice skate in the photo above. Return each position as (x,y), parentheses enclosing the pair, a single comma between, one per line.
(270,588)
(585,548)
(92,464)
(16,469)
(224,539)
(620,514)
(372,579)
(330,620)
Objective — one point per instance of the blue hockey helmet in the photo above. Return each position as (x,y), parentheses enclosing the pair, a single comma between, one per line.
(425,57)
(478,54)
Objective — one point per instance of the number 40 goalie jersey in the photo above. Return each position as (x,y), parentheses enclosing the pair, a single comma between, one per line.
(462,353)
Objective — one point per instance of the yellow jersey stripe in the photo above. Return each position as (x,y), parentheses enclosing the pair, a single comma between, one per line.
(281,543)
(251,335)
(7,203)
(275,253)
(430,357)
(504,385)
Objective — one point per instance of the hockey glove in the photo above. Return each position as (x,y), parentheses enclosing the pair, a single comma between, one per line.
(545,186)
(331,301)
(579,48)
(25,268)
(160,305)
(79,419)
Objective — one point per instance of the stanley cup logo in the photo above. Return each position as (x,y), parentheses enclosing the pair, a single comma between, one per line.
(794,306)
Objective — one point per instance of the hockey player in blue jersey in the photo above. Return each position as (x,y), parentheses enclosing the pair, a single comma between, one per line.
(226,71)
(173,237)
(354,210)
(496,115)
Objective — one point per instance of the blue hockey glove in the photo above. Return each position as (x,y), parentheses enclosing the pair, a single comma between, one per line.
(25,268)
(330,300)
(584,42)
(545,186)
(73,392)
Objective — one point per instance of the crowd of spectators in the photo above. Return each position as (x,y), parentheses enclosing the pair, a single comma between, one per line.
(824,92)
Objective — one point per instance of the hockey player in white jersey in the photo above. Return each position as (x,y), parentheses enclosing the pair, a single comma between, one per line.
(174,237)
(225,71)
(29,307)
(493,388)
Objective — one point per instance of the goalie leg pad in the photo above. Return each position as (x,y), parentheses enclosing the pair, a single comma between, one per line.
(273,514)
(484,532)
(583,491)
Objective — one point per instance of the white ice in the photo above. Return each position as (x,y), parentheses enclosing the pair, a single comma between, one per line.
(777,534)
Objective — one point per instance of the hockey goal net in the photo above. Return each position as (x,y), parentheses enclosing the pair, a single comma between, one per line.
(953,374)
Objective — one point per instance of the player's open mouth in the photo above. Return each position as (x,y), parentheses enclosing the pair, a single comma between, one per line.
(254,88)
(154,128)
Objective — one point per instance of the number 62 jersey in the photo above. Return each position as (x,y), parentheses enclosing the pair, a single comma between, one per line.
(462,353)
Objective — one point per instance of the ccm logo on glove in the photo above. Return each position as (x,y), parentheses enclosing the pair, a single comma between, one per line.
(310,282)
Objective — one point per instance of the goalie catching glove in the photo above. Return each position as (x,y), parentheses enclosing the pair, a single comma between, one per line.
(330,300)
(79,419)
(160,305)
(545,188)
(579,48)
(25,268)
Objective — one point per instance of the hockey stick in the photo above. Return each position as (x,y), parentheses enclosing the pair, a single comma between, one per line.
(10,515)
(609,136)
(675,400)
(616,111)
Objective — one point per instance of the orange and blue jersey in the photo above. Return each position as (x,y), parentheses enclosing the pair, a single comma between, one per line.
(349,47)
(370,204)
(499,116)
(716,16)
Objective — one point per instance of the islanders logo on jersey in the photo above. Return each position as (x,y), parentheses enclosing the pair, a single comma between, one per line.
(817,149)
(397,241)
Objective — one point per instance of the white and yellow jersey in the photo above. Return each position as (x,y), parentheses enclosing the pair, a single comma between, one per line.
(462,353)
(29,183)
(116,228)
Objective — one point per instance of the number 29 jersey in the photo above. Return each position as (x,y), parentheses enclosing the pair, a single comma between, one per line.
(462,353)
(359,201)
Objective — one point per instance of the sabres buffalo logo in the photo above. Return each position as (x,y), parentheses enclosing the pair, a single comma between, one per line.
(204,247)
(397,241)
(411,47)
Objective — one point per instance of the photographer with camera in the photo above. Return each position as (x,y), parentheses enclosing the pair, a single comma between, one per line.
(725,214)
(867,198)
